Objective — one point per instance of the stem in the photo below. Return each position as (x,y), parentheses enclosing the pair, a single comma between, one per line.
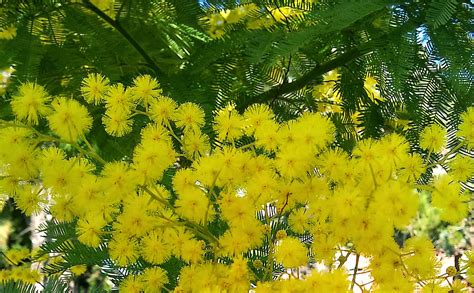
(116,25)
(356,268)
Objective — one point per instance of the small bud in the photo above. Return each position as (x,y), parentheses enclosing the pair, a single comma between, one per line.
(451,271)
(280,234)
(258,264)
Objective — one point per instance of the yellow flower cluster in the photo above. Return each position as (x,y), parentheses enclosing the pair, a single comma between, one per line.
(19,267)
(252,16)
(288,198)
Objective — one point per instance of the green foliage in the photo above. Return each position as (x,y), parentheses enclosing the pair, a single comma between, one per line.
(420,53)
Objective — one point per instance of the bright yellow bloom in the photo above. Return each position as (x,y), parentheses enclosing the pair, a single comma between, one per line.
(192,205)
(131,284)
(70,120)
(266,136)
(15,256)
(453,205)
(94,87)
(89,230)
(370,86)
(155,249)
(433,138)
(255,116)
(145,89)
(195,144)
(153,279)
(228,124)
(466,128)
(119,98)
(192,251)
(291,253)
(29,104)
(162,109)
(122,250)
(151,159)
(189,116)
(117,122)
(411,167)
(462,168)
(29,199)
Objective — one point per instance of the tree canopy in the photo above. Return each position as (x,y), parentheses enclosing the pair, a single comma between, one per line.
(345,73)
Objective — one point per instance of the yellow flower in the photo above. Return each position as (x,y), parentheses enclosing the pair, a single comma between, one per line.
(192,251)
(29,199)
(266,136)
(151,159)
(153,279)
(228,124)
(411,167)
(195,144)
(453,205)
(8,33)
(70,120)
(119,98)
(162,109)
(122,250)
(94,87)
(462,168)
(131,284)
(29,104)
(117,122)
(466,128)
(291,253)
(189,116)
(15,256)
(433,138)
(255,116)
(155,249)
(89,230)
(145,89)
(192,205)
(370,86)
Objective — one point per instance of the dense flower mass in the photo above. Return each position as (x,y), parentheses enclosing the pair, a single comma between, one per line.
(266,199)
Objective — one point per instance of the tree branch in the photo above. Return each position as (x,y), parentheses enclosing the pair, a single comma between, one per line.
(116,25)
(306,79)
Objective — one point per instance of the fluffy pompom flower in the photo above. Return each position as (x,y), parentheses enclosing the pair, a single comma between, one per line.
(94,87)
(162,109)
(189,116)
(89,230)
(70,119)
(117,123)
(228,124)
(291,253)
(155,249)
(256,115)
(462,168)
(145,89)
(122,250)
(29,199)
(466,128)
(119,99)
(153,279)
(433,138)
(195,144)
(29,104)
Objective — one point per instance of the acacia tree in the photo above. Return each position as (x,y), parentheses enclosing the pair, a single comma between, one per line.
(217,145)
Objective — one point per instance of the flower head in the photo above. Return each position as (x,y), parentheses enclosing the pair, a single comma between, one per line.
(29,104)
(94,87)
(145,89)
(70,120)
